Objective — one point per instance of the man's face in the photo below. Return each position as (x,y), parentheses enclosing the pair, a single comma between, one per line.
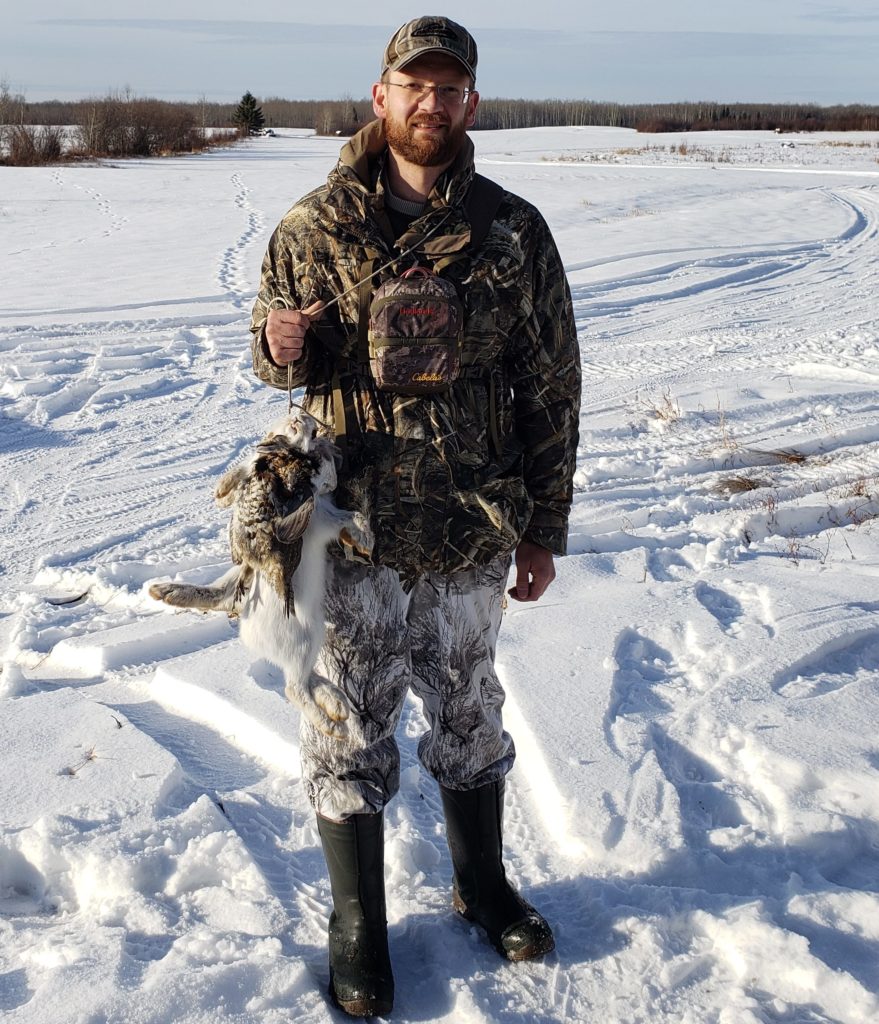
(425,130)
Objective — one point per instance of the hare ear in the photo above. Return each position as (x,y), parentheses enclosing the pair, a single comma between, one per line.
(229,482)
(292,527)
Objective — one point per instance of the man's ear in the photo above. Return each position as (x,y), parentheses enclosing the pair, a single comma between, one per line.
(472,104)
(379,100)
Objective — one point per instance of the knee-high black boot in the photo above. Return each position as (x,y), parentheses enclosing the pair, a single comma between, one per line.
(361,980)
(482,892)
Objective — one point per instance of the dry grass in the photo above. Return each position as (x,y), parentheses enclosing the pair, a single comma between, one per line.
(90,755)
(864,487)
(726,439)
(796,549)
(788,455)
(857,515)
(665,408)
(740,484)
(636,211)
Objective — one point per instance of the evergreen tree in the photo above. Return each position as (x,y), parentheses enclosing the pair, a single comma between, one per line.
(248,115)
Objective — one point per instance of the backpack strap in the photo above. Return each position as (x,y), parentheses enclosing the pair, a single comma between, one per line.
(483,201)
(364,295)
(480,207)
(340,418)
(340,406)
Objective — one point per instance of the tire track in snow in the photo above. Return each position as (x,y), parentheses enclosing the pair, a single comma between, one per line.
(682,326)
(735,270)
(616,166)
(126,386)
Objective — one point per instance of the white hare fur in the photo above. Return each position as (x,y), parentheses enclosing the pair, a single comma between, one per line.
(289,639)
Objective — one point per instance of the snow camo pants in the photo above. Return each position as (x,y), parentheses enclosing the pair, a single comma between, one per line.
(439,640)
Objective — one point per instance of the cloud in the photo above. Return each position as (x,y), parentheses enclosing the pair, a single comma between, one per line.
(840,15)
(267,32)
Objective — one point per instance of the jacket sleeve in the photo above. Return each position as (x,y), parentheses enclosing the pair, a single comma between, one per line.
(286,282)
(546,392)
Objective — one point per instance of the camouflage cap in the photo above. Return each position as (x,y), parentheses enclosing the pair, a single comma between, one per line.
(430,35)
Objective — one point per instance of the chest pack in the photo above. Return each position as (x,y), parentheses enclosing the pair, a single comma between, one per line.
(416,324)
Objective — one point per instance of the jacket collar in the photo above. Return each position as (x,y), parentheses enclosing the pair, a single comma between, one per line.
(363,158)
(357,196)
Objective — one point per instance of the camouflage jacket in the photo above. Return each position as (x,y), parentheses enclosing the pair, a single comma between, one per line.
(452,479)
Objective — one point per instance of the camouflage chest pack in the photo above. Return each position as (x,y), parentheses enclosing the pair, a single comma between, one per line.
(416,324)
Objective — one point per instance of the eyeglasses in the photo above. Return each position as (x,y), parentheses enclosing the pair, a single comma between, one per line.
(449,95)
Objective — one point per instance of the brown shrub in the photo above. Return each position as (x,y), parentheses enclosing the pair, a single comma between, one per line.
(27,145)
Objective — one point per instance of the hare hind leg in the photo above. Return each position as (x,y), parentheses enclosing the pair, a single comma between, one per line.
(222,596)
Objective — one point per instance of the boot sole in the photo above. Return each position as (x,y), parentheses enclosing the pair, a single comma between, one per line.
(363,1006)
(534,952)
(529,953)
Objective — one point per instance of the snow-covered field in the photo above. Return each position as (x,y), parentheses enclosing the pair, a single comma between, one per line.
(695,702)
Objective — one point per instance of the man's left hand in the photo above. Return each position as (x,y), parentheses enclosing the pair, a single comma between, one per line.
(534,572)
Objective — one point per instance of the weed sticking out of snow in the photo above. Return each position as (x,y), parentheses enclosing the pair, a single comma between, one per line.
(89,756)
(795,548)
(727,441)
(740,484)
(662,411)
(773,455)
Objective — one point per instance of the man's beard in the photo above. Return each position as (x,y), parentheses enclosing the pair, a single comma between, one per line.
(425,151)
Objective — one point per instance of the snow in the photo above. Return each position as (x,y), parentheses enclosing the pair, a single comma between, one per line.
(695,702)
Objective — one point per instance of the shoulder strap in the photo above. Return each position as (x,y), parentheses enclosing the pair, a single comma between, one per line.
(481,206)
(340,406)
(483,201)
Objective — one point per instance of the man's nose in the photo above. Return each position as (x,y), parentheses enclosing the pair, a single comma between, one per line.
(431,100)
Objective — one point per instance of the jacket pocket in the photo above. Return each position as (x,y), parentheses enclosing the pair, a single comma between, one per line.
(489,520)
(459,422)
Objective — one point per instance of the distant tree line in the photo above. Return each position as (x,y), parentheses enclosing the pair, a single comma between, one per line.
(120,125)
(674,117)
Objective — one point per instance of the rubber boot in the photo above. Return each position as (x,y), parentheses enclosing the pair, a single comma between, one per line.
(481,891)
(361,981)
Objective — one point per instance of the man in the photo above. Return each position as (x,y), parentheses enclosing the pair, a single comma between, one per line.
(453,482)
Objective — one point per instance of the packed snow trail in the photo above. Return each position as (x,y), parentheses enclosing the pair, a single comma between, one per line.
(695,703)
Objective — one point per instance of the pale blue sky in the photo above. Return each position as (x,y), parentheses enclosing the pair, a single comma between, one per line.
(630,50)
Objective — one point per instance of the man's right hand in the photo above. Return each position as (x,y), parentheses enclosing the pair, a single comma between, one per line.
(285,331)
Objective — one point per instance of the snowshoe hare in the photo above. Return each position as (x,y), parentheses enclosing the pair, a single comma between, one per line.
(282,520)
